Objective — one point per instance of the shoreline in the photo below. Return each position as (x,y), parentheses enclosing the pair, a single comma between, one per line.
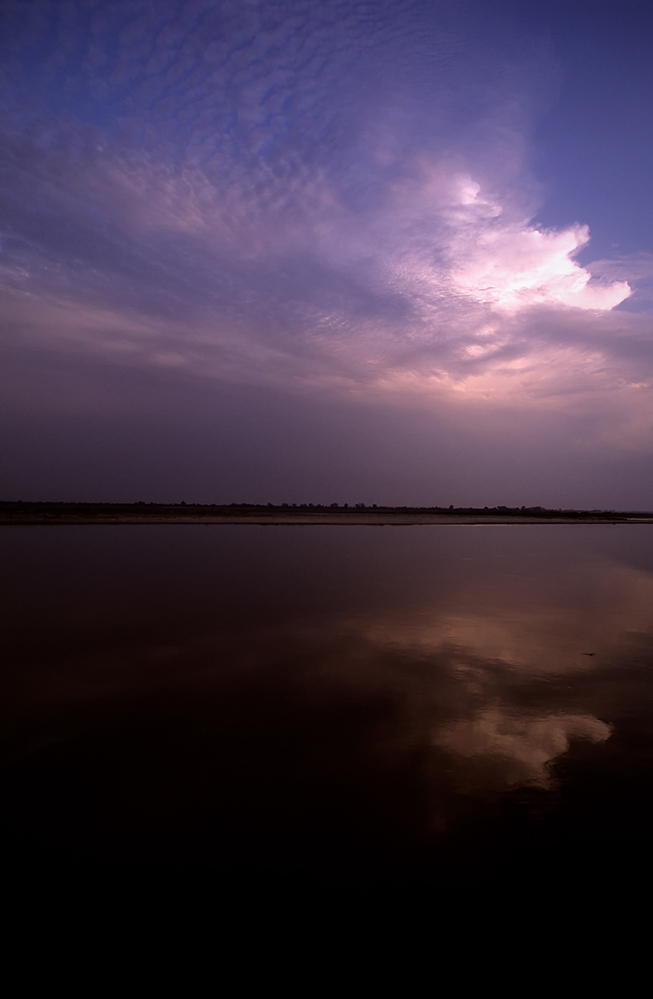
(48,513)
(302,520)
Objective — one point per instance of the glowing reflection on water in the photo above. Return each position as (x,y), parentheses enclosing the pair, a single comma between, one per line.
(325,700)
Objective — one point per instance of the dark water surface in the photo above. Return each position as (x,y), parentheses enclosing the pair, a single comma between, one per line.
(337,706)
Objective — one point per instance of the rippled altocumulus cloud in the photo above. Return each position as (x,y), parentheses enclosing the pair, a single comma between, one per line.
(333,195)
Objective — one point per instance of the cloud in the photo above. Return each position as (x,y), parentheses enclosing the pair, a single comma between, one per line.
(522,266)
(309,198)
(491,255)
(438,283)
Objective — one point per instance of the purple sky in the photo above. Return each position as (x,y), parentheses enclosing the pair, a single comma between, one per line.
(392,252)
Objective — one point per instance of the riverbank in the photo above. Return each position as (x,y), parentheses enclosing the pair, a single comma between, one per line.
(60,514)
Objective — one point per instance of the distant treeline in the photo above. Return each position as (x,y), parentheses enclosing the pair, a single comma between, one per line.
(21,508)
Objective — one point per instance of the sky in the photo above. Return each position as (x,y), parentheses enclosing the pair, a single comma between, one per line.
(394,252)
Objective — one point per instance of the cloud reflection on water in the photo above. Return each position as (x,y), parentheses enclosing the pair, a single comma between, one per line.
(530,622)
(354,684)
(520,747)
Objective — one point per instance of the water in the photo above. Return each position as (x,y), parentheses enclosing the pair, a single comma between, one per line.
(349,707)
